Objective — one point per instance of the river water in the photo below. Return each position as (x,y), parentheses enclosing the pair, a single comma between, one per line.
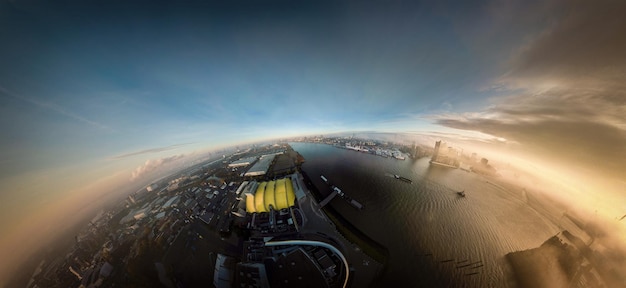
(434,237)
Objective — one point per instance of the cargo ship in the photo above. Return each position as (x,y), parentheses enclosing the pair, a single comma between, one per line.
(403,178)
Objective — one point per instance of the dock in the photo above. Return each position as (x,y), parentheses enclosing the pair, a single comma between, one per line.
(337,191)
(328,198)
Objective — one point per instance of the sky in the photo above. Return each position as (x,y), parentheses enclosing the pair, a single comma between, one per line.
(94,95)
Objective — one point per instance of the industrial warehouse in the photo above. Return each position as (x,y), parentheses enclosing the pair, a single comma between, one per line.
(270,195)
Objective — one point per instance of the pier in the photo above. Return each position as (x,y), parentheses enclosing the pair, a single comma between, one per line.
(336,191)
(328,198)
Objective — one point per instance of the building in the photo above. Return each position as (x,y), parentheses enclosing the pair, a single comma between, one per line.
(445,155)
(242,162)
(251,275)
(297,264)
(172,202)
(261,167)
(223,274)
(270,195)
(436,153)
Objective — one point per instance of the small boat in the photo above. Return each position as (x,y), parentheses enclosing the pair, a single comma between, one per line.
(461,193)
(402,178)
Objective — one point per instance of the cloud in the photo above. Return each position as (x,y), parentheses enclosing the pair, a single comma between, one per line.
(582,49)
(585,44)
(148,151)
(563,94)
(153,164)
(590,143)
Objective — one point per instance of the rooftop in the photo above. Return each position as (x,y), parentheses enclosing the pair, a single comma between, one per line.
(261,167)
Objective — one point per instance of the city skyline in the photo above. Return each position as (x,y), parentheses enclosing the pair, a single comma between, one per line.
(95,96)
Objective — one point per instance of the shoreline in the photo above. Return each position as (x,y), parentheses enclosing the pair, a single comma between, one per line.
(368,245)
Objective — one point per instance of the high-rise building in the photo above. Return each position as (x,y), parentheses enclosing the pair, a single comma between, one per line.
(436,153)
(445,156)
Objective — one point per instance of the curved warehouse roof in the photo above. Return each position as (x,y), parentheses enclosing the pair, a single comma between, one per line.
(291,197)
(269,196)
(259,198)
(250,203)
(279,194)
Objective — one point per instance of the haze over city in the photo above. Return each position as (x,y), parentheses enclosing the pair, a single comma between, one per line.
(101,98)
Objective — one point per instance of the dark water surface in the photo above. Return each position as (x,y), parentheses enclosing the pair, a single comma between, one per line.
(434,237)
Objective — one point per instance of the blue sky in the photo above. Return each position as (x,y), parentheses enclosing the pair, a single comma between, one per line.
(85,82)
(90,92)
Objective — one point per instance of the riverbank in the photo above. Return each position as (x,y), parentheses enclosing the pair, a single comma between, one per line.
(369,246)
